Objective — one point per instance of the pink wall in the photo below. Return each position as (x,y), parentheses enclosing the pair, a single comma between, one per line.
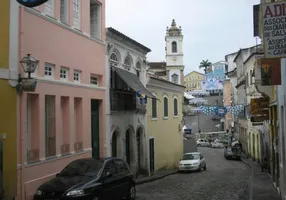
(227,102)
(49,42)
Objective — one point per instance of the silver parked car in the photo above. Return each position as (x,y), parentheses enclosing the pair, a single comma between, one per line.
(194,161)
(203,143)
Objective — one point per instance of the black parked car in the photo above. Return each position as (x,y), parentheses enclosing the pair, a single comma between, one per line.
(90,179)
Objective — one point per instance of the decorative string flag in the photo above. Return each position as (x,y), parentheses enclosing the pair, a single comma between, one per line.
(221,110)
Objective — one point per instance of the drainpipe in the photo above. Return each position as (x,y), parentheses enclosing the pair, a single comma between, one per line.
(22,147)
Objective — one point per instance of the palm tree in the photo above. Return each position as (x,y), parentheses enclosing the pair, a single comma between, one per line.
(205,64)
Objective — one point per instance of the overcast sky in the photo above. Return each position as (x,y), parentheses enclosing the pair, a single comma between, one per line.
(211,28)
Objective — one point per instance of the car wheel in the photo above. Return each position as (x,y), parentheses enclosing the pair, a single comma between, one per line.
(199,145)
(200,168)
(205,167)
(131,193)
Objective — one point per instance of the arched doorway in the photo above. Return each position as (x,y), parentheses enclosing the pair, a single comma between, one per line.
(128,147)
(253,146)
(138,140)
(114,144)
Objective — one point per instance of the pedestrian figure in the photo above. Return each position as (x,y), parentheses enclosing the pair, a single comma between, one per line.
(264,165)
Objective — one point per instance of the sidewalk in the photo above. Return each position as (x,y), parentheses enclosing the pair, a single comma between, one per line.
(157,176)
(261,186)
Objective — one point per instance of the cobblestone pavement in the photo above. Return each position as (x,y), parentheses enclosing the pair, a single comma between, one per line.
(223,180)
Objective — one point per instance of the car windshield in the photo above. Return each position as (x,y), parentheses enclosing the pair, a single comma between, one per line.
(82,168)
(191,157)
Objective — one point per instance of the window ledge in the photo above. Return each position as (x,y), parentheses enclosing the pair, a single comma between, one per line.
(49,77)
(154,119)
(55,158)
(176,116)
(165,118)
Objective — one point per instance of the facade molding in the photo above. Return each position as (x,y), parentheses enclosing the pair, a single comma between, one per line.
(65,26)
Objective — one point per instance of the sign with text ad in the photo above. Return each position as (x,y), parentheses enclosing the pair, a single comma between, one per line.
(270,71)
(274,29)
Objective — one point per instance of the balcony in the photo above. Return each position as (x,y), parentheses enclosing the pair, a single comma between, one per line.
(122,100)
(241,82)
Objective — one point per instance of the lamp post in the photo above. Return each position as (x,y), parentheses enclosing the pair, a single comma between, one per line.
(29,64)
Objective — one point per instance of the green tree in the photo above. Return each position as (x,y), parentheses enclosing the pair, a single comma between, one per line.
(205,64)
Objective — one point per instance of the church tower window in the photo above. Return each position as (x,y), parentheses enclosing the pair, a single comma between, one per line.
(174,47)
(175,78)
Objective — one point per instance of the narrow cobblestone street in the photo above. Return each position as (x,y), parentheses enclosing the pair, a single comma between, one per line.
(223,180)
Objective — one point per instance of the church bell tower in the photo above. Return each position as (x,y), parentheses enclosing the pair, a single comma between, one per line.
(174,54)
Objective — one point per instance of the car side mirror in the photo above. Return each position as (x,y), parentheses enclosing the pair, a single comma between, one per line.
(57,174)
(180,159)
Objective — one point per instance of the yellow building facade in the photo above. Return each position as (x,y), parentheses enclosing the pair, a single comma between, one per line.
(193,81)
(8,102)
(164,117)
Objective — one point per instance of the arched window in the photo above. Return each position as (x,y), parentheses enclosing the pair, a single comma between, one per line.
(113,58)
(154,108)
(175,107)
(127,63)
(113,62)
(165,107)
(174,47)
(175,78)
(138,69)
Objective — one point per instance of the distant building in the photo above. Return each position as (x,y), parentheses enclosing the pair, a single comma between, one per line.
(173,68)
(193,81)
(213,82)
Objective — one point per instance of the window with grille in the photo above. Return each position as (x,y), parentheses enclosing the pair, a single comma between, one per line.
(49,70)
(93,80)
(64,73)
(76,76)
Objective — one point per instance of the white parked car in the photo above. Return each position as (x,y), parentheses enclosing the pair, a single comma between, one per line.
(217,144)
(203,143)
(192,162)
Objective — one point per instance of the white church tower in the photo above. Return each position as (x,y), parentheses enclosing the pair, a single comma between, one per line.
(174,54)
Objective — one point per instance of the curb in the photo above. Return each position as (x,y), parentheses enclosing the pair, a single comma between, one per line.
(243,160)
(154,178)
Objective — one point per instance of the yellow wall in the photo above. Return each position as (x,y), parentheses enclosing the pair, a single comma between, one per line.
(168,138)
(193,78)
(8,109)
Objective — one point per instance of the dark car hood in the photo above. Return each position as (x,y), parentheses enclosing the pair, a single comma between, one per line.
(64,183)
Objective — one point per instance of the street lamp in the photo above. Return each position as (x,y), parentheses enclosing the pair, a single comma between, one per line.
(29,64)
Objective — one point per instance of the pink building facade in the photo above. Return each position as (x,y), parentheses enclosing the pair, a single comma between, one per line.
(227,102)
(64,119)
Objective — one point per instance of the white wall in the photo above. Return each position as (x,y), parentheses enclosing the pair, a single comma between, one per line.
(122,120)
